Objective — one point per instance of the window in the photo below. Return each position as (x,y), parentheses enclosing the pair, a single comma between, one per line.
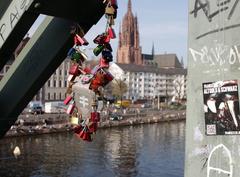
(49,96)
(60,84)
(54,96)
(60,96)
(48,83)
(54,83)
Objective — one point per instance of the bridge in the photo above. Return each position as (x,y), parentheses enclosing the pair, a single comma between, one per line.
(43,53)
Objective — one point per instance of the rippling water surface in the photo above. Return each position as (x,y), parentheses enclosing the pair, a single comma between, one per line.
(155,150)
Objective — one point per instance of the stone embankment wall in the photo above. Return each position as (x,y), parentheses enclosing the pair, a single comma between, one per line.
(52,123)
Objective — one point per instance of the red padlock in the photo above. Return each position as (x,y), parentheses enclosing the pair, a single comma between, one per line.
(114,4)
(109,77)
(95,117)
(74,70)
(103,63)
(87,70)
(93,127)
(81,134)
(70,109)
(111,33)
(80,40)
(77,129)
(67,100)
(107,39)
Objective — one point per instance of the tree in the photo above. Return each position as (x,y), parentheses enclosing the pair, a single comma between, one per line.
(178,87)
(119,87)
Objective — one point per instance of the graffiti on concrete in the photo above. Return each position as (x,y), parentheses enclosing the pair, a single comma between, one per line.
(219,170)
(212,9)
(216,56)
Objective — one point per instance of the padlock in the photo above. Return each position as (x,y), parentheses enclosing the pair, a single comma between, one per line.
(114,4)
(87,137)
(100,79)
(108,77)
(74,120)
(111,33)
(108,47)
(103,63)
(71,52)
(107,55)
(92,127)
(95,117)
(98,50)
(67,100)
(70,108)
(87,70)
(109,10)
(100,39)
(74,70)
(77,129)
(80,40)
(79,57)
(107,39)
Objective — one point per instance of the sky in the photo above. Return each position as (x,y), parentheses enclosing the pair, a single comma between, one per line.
(163,23)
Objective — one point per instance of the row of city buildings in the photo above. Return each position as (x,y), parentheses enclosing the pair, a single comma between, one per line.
(147,76)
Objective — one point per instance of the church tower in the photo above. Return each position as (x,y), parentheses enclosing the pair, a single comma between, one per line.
(129,50)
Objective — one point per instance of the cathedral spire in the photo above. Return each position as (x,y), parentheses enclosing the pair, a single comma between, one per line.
(129,5)
(153,50)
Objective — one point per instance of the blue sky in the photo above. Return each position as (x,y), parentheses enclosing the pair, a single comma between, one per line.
(162,22)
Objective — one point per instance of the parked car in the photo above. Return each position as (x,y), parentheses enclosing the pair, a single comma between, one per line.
(35,107)
(115,116)
(36,110)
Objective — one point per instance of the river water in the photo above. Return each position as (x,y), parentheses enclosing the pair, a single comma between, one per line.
(154,150)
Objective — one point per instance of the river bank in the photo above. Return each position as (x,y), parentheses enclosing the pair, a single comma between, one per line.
(53,123)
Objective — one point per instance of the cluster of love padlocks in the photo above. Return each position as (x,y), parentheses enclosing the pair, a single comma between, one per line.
(97,78)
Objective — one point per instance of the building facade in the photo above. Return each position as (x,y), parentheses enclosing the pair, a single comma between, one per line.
(150,82)
(55,87)
(129,50)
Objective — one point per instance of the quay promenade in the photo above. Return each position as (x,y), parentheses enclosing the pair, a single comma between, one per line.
(52,123)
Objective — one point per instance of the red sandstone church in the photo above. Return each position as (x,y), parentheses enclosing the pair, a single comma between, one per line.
(130,52)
